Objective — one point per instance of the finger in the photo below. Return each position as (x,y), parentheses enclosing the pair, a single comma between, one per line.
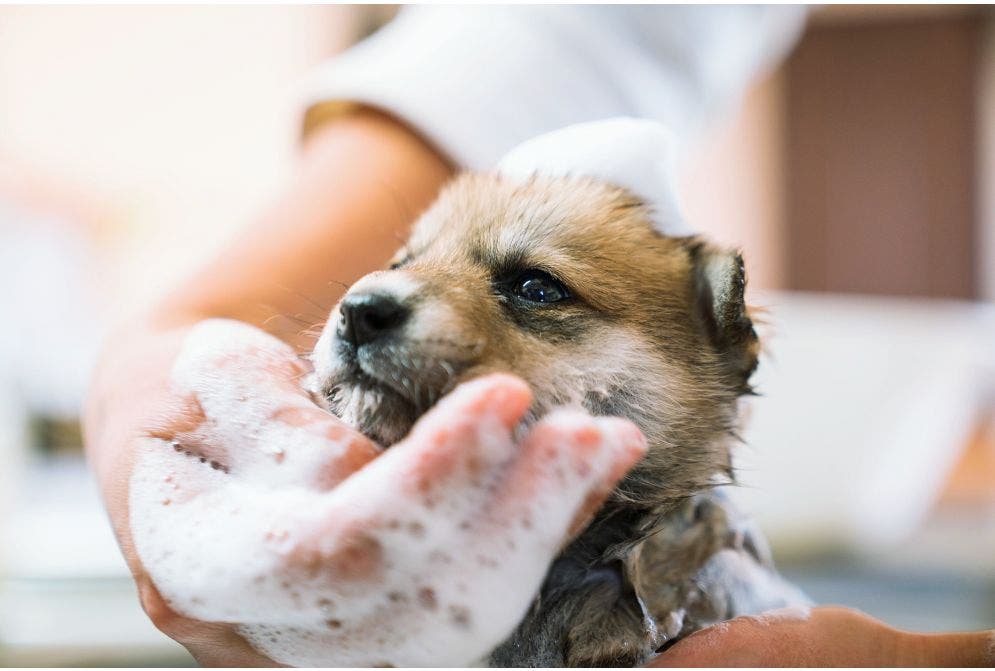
(428,482)
(569,464)
(246,410)
(217,350)
(628,445)
(178,423)
(502,397)
(295,443)
(322,452)
(214,548)
(465,437)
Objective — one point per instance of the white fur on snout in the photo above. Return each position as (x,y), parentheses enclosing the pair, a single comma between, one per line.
(325,357)
(443,330)
(396,283)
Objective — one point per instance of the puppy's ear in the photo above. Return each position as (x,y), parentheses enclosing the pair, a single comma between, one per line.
(719,283)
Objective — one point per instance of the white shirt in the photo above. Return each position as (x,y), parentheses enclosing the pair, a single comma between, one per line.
(476,81)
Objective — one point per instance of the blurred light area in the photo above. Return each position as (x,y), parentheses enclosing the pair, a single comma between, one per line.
(865,406)
(66,597)
(177,123)
(52,338)
(869,456)
(134,141)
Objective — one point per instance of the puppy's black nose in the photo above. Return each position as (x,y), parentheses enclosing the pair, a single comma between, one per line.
(366,317)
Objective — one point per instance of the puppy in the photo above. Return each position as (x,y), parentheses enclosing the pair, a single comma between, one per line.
(567,282)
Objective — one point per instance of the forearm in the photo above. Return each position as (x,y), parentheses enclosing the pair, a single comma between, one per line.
(363,179)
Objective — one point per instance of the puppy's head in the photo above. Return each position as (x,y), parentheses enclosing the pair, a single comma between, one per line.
(565,283)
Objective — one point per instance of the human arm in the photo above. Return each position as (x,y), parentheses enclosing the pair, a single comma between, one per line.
(360,183)
(827,636)
(338,220)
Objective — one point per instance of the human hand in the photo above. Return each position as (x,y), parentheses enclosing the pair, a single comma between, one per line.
(825,636)
(250,506)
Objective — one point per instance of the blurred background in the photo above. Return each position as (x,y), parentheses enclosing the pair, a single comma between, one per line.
(859,178)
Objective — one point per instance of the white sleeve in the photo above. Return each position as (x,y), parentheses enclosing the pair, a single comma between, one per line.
(476,81)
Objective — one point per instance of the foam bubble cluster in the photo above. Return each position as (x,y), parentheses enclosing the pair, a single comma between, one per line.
(428,554)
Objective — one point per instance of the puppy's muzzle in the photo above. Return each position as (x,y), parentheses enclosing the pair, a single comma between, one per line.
(391,348)
(368,317)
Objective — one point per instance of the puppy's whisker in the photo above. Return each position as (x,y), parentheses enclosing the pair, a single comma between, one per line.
(299,319)
(322,308)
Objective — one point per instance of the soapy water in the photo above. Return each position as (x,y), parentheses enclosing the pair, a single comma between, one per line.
(263,511)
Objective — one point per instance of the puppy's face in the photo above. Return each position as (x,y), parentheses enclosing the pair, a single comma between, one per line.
(564,283)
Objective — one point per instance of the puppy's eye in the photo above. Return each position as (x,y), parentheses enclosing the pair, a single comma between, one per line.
(539,287)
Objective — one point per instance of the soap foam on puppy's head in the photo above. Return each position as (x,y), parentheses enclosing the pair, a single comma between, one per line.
(635,154)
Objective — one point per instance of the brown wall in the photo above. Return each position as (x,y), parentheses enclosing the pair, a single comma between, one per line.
(880,156)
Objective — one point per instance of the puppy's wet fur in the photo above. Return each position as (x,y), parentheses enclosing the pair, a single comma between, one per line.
(565,283)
